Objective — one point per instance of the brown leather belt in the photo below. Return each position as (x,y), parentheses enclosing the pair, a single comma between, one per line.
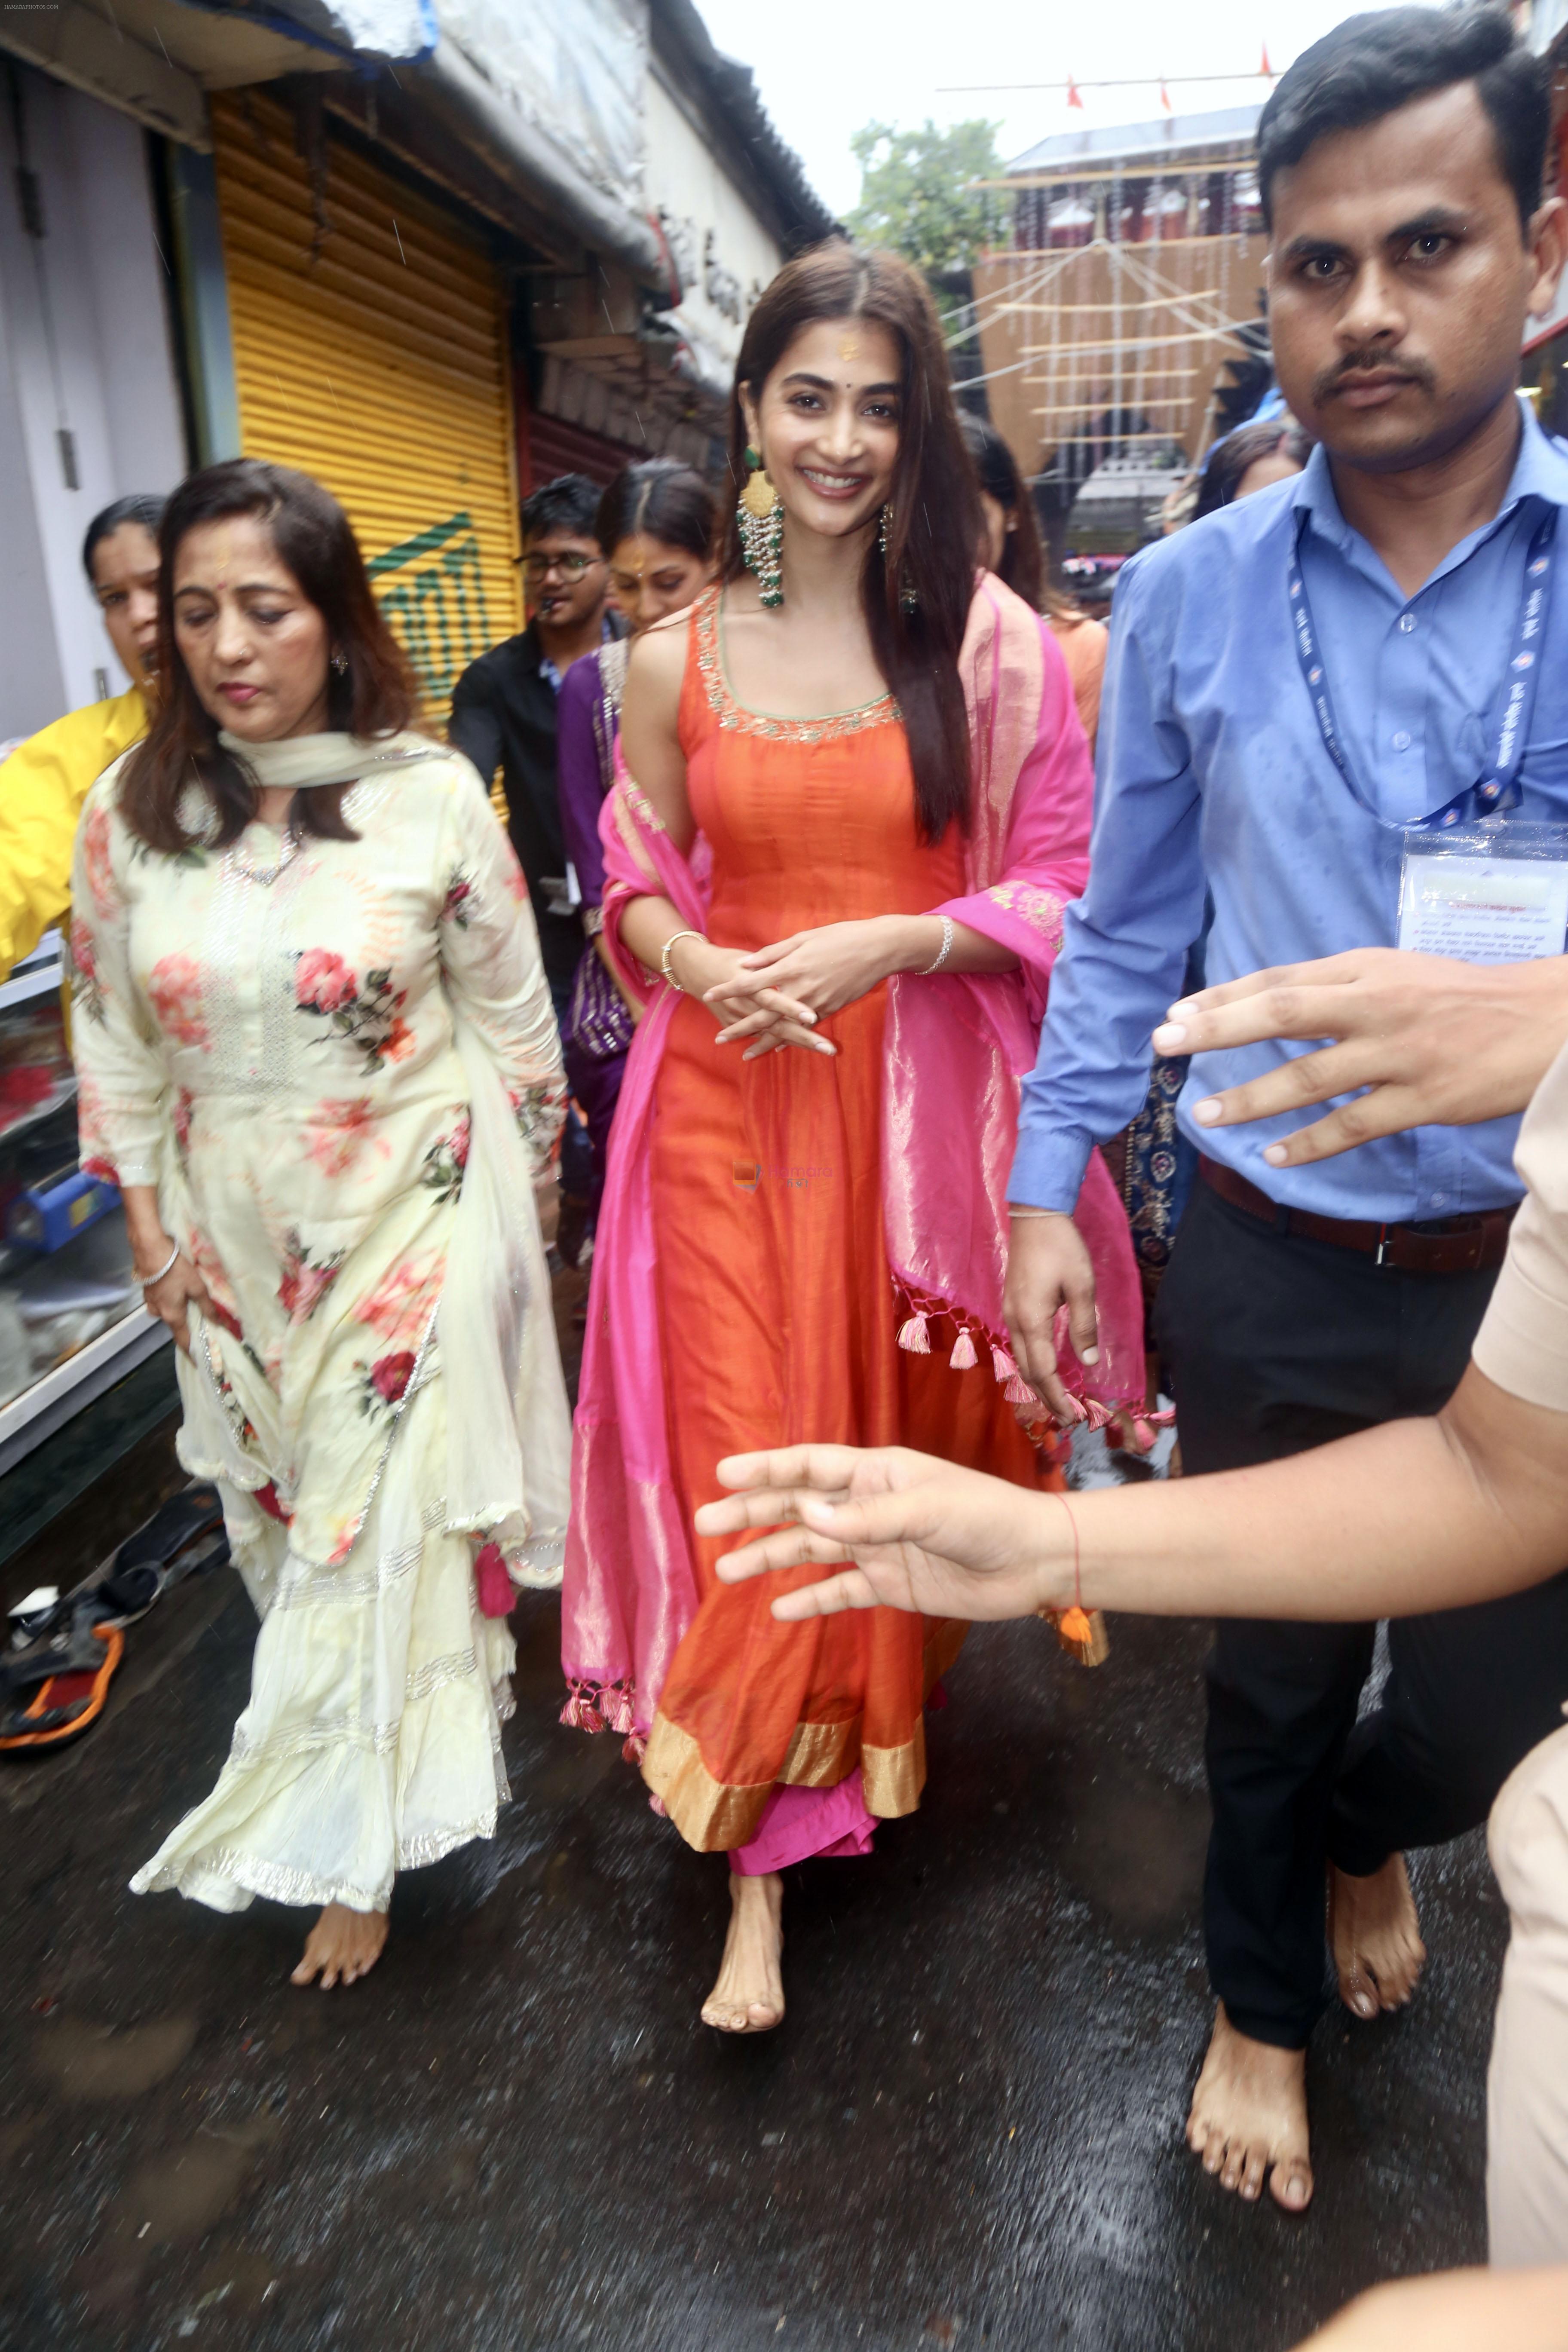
(1457,1246)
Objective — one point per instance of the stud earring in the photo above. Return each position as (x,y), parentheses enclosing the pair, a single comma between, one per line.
(340,663)
(760,515)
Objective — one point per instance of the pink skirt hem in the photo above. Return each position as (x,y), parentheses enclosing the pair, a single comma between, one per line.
(797,1823)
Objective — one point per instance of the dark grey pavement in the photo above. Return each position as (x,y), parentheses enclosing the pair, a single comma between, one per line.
(515,2134)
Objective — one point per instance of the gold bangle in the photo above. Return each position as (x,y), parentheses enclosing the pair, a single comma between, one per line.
(664,959)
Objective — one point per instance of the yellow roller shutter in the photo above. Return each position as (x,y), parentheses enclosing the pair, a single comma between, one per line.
(369,349)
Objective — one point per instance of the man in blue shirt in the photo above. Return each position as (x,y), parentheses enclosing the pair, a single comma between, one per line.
(1292,684)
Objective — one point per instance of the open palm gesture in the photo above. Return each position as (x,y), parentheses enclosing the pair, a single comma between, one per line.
(921,1535)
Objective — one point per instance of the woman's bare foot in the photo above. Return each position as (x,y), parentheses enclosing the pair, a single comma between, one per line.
(1249,2116)
(342,1947)
(749,1995)
(1376,1936)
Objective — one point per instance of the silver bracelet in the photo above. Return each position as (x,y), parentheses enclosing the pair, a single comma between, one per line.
(1012,1212)
(664,960)
(945,952)
(167,1267)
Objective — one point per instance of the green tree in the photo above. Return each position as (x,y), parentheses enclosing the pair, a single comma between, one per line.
(917,194)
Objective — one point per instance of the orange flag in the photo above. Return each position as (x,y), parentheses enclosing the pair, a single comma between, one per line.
(1266,70)
(1073,98)
(1165,99)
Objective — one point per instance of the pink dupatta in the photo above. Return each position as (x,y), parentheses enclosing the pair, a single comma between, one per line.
(956,1048)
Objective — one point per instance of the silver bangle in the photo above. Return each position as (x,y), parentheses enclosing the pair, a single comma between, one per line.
(945,952)
(167,1267)
(664,960)
(1012,1212)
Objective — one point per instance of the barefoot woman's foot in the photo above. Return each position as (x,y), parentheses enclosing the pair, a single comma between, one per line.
(748,1996)
(343,1945)
(1249,2116)
(1376,1937)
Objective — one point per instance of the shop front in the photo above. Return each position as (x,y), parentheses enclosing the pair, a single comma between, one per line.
(370,345)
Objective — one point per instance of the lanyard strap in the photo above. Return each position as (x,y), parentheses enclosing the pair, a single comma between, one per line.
(1498,787)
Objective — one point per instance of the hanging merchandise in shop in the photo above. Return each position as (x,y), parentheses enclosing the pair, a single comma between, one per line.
(370,350)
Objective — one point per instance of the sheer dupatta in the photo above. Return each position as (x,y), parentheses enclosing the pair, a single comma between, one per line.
(956,1048)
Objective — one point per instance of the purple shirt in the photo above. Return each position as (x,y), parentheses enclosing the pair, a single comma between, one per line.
(587,713)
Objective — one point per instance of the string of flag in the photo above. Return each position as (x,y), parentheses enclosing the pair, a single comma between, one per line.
(1163,83)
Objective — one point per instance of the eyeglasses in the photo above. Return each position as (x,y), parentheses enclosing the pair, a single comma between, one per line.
(569,567)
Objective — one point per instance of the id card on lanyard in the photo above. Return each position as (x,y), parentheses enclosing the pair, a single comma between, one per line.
(1471,884)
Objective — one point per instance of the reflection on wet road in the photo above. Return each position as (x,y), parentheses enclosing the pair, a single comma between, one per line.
(517,2134)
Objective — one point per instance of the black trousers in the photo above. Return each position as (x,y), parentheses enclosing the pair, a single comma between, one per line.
(1272,1345)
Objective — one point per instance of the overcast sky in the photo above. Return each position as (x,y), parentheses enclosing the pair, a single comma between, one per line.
(823,71)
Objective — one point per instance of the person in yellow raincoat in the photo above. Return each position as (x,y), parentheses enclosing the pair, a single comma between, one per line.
(47,778)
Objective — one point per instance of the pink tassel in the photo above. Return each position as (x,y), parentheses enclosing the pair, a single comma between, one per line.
(622,1721)
(1019,1391)
(580,1714)
(657,1805)
(1002,1364)
(915,1336)
(964,1358)
(496,1596)
(634,1749)
(1097,1415)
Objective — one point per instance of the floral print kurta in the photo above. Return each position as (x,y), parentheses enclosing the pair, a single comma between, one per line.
(278,1056)
(269,1034)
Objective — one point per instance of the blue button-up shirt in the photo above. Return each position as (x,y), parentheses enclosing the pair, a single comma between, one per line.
(1213,774)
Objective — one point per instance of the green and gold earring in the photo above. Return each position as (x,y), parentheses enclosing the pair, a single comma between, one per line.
(760,515)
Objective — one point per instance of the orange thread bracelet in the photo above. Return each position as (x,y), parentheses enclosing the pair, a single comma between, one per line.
(1074,1622)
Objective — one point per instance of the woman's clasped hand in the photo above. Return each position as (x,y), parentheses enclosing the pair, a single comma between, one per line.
(774,995)
(765,1015)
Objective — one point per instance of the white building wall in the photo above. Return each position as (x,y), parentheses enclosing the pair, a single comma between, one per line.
(84,350)
(724,254)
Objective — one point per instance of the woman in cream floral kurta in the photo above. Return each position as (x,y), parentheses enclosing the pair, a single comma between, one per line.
(288,1037)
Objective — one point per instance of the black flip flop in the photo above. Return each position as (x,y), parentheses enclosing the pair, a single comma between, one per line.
(183,1534)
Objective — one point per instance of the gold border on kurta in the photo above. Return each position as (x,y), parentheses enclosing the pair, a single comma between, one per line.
(709,1813)
(820,1755)
(715,1815)
(712,1815)
(894,1776)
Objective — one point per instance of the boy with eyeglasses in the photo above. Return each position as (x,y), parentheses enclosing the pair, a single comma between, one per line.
(503,716)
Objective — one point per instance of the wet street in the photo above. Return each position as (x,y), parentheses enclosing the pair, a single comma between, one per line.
(517,2134)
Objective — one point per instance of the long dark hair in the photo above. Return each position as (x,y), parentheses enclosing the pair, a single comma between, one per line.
(935,524)
(373,695)
(1241,450)
(1023,564)
(669,502)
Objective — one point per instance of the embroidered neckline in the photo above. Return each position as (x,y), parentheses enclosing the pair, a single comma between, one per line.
(734,716)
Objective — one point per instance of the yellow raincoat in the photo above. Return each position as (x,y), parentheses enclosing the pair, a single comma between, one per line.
(42,787)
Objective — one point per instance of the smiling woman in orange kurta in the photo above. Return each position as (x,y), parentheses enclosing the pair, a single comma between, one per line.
(774,1296)
(842,927)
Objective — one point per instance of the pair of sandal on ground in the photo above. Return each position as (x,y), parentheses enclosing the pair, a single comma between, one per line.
(55,1678)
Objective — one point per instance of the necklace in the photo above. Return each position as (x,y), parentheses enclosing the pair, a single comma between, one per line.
(266,874)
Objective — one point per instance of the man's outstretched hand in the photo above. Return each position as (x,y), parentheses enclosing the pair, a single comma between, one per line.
(919,1534)
(1433,1042)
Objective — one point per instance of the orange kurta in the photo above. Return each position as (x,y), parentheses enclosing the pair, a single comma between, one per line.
(778,1315)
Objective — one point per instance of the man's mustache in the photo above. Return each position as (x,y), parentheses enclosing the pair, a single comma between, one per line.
(1329,380)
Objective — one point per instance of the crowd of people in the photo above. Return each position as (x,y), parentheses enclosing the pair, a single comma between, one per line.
(919,1092)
